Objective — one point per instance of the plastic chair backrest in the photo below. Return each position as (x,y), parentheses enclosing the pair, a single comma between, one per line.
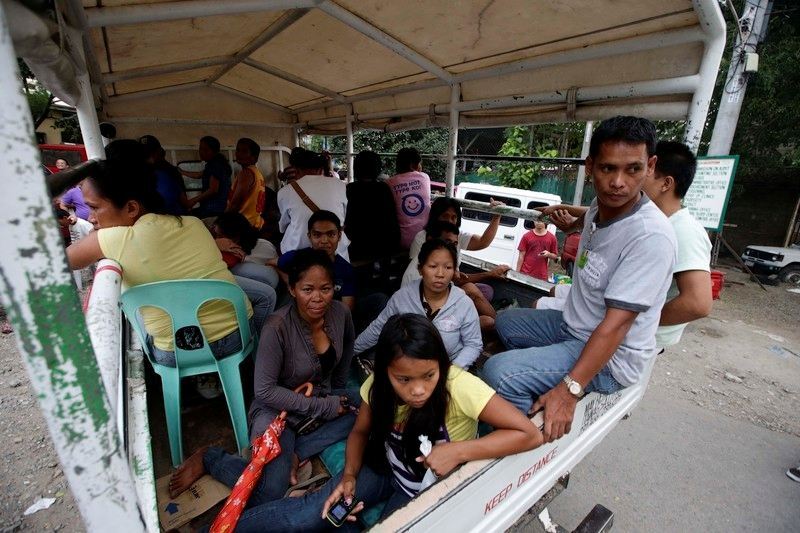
(181,300)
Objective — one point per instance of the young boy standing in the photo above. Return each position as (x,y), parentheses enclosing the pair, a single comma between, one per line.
(536,248)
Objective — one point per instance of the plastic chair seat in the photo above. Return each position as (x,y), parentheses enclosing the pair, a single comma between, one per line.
(181,300)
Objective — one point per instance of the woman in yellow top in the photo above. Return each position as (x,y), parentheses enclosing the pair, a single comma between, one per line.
(248,190)
(414,391)
(150,246)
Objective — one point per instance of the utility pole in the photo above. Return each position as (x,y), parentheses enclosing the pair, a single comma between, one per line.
(744,61)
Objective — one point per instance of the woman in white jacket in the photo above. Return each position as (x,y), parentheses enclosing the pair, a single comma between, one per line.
(446,306)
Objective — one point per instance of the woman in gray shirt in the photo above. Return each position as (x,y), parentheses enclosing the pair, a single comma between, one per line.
(310,340)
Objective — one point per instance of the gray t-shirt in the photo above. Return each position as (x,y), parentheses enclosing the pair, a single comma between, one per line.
(628,265)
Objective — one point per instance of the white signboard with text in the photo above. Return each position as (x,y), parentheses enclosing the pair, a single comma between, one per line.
(708,196)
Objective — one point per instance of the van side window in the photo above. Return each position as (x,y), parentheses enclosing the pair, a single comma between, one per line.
(471,214)
(533,205)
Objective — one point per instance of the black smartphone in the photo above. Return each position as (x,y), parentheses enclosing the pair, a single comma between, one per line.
(340,511)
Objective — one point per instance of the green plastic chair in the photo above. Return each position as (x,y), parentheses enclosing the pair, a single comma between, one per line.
(181,300)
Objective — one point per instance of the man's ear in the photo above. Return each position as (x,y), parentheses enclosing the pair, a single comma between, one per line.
(588,165)
(651,164)
(668,184)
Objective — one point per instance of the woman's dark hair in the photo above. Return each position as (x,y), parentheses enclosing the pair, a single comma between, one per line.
(211,142)
(125,175)
(431,245)
(367,166)
(235,226)
(414,336)
(440,206)
(407,159)
(305,259)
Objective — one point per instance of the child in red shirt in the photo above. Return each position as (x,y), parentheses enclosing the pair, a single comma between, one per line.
(536,247)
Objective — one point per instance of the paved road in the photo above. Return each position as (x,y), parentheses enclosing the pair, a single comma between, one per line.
(673,466)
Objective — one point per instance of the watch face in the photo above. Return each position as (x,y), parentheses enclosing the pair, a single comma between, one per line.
(575,388)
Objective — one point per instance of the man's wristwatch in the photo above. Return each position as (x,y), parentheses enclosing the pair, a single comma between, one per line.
(573,387)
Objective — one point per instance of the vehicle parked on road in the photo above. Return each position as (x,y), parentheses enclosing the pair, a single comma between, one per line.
(774,260)
(503,249)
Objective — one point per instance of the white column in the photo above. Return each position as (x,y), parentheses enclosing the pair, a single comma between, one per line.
(38,291)
(87,114)
(450,180)
(581,179)
(349,124)
(713,25)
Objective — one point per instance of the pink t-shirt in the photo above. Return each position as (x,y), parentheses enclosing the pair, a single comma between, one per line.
(531,246)
(412,200)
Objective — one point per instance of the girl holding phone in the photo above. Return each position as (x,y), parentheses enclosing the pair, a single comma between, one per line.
(414,391)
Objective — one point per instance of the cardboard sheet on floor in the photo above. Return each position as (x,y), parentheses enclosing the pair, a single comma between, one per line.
(199,498)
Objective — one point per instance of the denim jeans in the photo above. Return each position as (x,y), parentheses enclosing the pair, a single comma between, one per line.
(221,348)
(274,479)
(304,513)
(263,273)
(262,297)
(541,352)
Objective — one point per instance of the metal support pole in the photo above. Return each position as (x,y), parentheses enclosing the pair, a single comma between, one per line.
(349,125)
(450,180)
(713,25)
(37,289)
(581,179)
(87,114)
(753,19)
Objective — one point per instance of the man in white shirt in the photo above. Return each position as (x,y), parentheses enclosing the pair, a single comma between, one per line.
(322,193)
(689,295)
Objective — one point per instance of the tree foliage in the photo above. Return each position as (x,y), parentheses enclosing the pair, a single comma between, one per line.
(768,132)
(431,141)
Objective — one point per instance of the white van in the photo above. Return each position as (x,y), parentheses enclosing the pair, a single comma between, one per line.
(503,249)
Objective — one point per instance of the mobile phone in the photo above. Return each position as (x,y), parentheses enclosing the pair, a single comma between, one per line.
(340,511)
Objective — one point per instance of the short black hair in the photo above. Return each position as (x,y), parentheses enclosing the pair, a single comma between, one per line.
(305,259)
(236,227)
(252,146)
(677,160)
(367,165)
(324,216)
(61,213)
(438,227)
(212,143)
(630,130)
(407,159)
(308,160)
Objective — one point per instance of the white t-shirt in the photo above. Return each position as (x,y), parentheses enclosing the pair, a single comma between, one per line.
(329,194)
(412,270)
(694,253)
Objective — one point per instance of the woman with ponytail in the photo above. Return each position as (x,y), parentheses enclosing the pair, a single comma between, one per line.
(133,230)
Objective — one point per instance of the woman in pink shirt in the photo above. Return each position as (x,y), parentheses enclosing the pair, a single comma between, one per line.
(412,194)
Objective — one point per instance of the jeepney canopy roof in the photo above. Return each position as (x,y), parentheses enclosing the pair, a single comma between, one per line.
(392,64)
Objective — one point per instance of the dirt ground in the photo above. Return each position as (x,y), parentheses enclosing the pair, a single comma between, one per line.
(741,362)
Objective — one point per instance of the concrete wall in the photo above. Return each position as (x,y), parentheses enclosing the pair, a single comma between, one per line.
(761,205)
(48,127)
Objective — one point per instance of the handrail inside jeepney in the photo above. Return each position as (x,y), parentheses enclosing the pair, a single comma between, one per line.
(506,210)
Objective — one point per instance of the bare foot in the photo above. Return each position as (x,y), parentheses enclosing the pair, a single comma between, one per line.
(190,471)
(293,471)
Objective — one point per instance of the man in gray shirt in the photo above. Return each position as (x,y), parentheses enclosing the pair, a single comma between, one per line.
(606,334)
